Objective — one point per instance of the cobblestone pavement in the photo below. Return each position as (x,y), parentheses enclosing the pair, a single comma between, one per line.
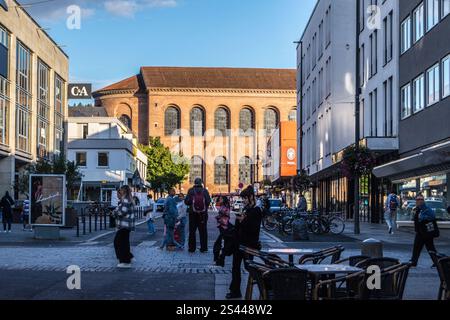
(38,272)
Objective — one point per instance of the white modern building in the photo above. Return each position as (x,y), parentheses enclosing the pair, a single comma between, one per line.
(379,70)
(326,77)
(107,154)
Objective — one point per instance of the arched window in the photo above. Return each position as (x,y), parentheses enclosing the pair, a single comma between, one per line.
(126,120)
(221,121)
(270,121)
(292,115)
(245,171)
(171,121)
(246,121)
(197,121)
(220,171)
(196,169)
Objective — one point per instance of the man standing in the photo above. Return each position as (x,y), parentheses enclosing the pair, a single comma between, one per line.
(6,203)
(302,205)
(390,213)
(198,200)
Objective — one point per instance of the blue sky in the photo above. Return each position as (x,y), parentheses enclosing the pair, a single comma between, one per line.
(119,36)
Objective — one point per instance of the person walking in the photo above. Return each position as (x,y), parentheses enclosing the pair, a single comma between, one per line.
(125,223)
(26,215)
(302,205)
(390,213)
(170,219)
(426,229)
(182,219)
(6,203)
(150,215)
(198,201)
(248,227)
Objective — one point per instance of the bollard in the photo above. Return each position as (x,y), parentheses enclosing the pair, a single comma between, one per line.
(83,220)
(90,221)
(78,226)
(95,221)
(372,248)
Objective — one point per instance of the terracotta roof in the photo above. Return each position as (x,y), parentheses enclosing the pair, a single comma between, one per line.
(87,112)
(131,83)
(209,78)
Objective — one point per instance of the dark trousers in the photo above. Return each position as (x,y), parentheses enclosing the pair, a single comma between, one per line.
(122,246)
(419,242)
(217,250)
(7,221)
(198,221)
(235,286)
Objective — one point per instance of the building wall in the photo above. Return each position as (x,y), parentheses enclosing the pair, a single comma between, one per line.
(327,89)
(430,125)
(149,115)
(22,28)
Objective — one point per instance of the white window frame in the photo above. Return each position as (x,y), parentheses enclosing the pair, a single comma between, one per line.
(432,14)
(418,24)
(445,8)
(445,77)
(406,34)
(406,104)
(418,93)
(98,158)
(433,85)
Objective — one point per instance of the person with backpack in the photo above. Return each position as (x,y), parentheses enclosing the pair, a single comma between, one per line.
(390,213)
(198,201)
(7,203)
(426,228)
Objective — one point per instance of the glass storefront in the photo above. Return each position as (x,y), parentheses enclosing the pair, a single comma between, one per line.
(435,190)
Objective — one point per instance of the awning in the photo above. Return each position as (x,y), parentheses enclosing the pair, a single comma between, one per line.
(435,159)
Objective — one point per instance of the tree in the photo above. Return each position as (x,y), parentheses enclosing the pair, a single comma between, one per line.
(302,182)
(164,170)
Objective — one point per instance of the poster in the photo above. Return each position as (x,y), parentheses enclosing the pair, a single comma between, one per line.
(48,200)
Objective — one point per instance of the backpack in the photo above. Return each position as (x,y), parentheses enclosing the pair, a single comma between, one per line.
(393,203)
(199,202)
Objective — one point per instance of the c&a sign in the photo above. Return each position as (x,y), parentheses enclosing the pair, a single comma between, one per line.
(80,91)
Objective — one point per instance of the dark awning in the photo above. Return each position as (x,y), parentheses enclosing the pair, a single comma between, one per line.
(435,159)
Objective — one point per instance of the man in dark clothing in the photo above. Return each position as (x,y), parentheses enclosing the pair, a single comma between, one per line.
(422,215)
(198,201)
(6,204)
(248,228)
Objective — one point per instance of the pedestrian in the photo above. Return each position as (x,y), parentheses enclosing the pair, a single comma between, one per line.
(6,203)
(150,215)
(170,219)
(26,215)
(248,227)
(181,220)
(390,212)
(426,229)
(226,233)
(302,205)
(198,201)
(125,223)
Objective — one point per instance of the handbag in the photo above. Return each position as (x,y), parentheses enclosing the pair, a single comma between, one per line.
(430,229)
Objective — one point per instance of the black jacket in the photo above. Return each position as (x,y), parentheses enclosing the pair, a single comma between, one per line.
(190,197)
(6,204)
(249,229)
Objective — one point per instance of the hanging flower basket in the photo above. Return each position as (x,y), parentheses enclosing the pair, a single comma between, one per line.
(357,162)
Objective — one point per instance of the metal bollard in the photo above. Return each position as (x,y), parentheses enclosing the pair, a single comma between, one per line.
(95,221)
(83,220)
(372,248)
(90,223)
(78,226)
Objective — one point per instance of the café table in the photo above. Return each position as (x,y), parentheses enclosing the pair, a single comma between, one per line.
(290,252)
(318,271)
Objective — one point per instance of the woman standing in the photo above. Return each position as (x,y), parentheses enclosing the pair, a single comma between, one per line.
(6,203)
(125,223)
(248,226)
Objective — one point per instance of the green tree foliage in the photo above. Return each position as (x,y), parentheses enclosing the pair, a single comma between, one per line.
(165,170)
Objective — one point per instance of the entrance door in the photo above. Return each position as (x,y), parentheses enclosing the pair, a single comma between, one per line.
(106,194)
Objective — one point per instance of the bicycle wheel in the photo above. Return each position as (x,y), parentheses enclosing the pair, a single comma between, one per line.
(287,227)
(316,227)
(269,223)
(337,225)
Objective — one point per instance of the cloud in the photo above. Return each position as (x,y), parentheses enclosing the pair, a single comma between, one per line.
(128,8)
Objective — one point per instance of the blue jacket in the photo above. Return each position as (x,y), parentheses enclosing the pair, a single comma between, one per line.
(426,214)
(170,211)
(388,200)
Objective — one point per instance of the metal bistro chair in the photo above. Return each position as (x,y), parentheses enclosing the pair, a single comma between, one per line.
(286,284)
(393,282)
(249,255)
(436,257)
(444,268)
(352,261)
(383,263)
(256,272)
(320,256)
(348,287)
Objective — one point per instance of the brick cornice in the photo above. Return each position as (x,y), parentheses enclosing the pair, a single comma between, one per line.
(209,90)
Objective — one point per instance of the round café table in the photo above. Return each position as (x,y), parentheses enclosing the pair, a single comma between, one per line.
(290,252)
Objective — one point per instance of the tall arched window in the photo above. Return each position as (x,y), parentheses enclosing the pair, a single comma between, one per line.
(245,171)
(171,120)
(270,120)
(292,115)
(222,121)
(196,169)
(220,171)
(197,121)
(246,121)
(126,120)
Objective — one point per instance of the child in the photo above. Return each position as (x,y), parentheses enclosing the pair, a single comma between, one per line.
(226,230)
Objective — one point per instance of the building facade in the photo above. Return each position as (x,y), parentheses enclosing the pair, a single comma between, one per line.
(107,154)
(326,74)
(218,118)
(424,106)
(33,102)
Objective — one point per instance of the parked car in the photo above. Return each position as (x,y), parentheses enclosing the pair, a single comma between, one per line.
(439,209)
(160,204)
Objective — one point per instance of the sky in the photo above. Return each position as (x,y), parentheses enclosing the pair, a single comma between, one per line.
(117,37)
